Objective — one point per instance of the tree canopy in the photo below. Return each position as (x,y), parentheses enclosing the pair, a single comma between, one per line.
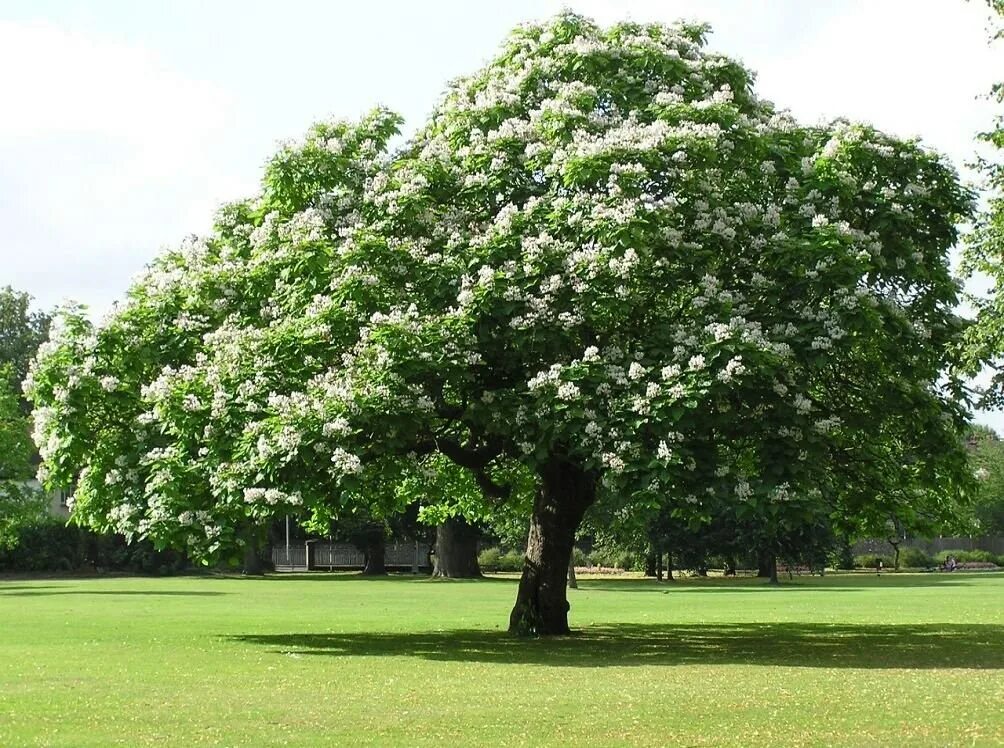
(22,331)
(603,270)
(20,504)
(984,254)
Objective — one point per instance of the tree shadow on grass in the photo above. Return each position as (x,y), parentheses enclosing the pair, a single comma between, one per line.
(928,646)
(43,592)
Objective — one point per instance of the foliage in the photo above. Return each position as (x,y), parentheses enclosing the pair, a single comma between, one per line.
(22,331)
(914,558)
(987,457)
(494,559)
(602,253)
(984,253)
(611,556)
(871,561)
(959,555)
(20,504)
(51,545)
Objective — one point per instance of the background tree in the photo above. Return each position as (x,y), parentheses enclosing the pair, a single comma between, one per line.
(603,263)
(984,253)
(20,505)
(22,331)
(987,452)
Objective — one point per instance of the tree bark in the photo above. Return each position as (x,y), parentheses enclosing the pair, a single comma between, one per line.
(773,570)
(895,560)
(573,583)
(252,565)
(658,565)
(375,554)
(565,492)
(456,550)
(764,560)
(669,567)
(650,564)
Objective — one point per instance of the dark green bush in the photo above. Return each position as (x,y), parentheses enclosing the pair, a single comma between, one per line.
(964,556)
(53,545)
(841,557)
(488,559)
(871,561)
(914,558)
(511,561)
(494,559)
(613,557)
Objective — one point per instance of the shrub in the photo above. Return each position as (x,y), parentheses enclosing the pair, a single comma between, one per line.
(488,559)
(915,558)
(53,545)
(494,559)
(511,561)
(841,557)
(871,561)
(965,556)
(613,557)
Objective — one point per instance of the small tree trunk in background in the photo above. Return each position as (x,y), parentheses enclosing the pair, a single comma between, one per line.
(252,554)
(572,581)
(895,557)
(658,565)
(669,567)
(456,550)
(565,493)
(376,548)
(650,565)
(773,570)
(764,561)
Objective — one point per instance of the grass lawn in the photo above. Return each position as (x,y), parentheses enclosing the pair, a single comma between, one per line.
(340,660)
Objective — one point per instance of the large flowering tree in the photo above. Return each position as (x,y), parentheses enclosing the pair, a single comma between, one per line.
(604,270)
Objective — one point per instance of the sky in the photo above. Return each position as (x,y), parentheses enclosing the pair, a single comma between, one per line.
(123,124)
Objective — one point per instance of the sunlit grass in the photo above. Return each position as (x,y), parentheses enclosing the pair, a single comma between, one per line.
(341,660)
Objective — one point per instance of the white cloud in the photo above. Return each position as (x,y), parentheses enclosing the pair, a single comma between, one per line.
(59,82)
(108,155)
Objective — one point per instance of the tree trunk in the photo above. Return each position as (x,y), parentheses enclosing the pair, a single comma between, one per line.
(650,565)
(566,491)
(375,554)
(658,565)
(572,581)
(252,565)
(669,567)
(456,550)
(895,559)
(773,570)
(764,561)
(252,561)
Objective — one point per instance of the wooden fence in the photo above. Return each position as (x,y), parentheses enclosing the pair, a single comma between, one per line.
(316,554)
